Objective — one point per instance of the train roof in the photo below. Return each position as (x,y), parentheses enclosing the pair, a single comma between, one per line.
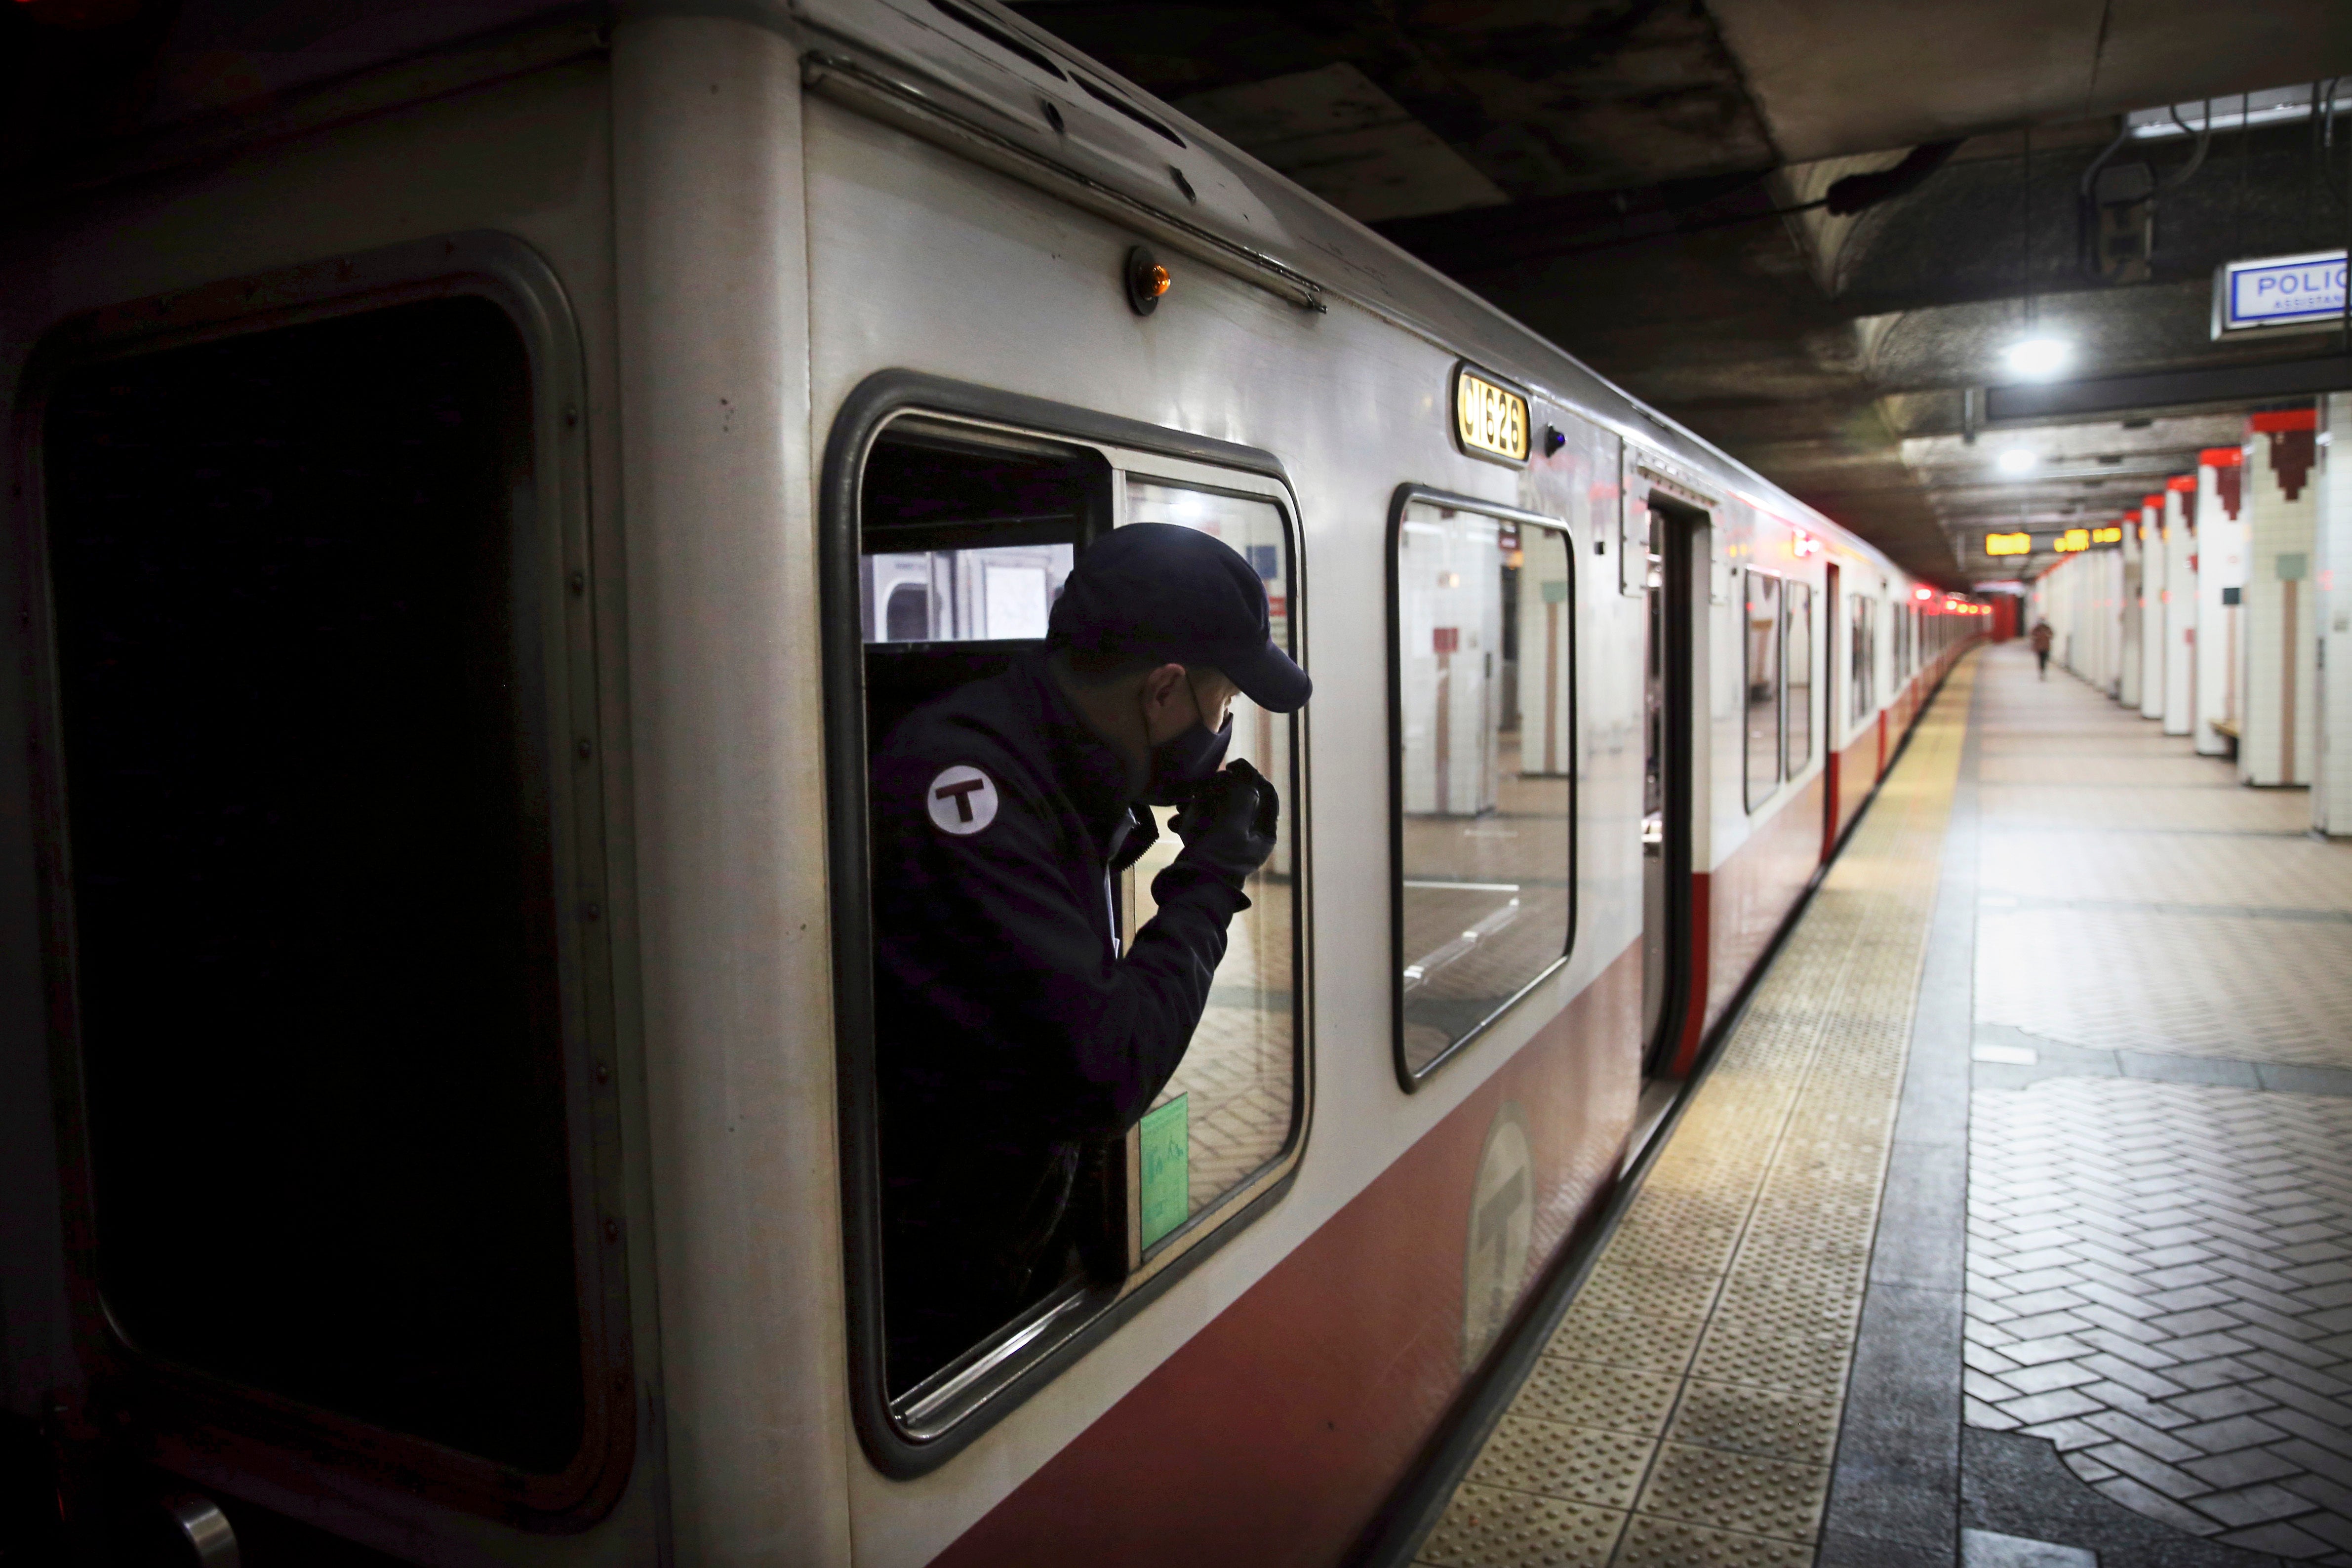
(968,72)
(1155,155)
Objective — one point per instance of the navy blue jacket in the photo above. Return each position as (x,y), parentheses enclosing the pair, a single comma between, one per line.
(1010,1027)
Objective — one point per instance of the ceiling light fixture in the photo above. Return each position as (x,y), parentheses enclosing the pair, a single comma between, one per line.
(2017,461)
(2039,358)
(2035,356)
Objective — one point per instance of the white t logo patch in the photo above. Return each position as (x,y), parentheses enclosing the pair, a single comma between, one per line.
(962,800)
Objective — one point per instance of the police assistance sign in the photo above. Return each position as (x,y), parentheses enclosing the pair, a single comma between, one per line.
(2279,293)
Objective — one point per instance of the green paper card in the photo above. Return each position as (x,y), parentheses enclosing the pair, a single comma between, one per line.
(1165,1154)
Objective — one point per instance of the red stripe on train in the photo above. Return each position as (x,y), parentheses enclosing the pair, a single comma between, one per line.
(1276,1433)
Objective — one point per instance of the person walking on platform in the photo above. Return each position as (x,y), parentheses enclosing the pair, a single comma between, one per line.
(2041,639)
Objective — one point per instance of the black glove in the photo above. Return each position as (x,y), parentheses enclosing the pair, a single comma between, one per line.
(1228,827)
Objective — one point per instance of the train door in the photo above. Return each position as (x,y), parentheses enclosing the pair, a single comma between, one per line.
(1675,533)
(1833,693)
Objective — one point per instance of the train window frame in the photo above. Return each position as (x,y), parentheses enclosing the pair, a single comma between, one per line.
(948,1412)
(1862,653)
(1753,799)
(1410,1078)
(187,1410)
(1792,765)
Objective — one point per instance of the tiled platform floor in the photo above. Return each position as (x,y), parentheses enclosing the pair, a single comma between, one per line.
(2149,1362)
(2160,1261)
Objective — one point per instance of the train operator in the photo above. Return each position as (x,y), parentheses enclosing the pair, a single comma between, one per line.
(1014,1031)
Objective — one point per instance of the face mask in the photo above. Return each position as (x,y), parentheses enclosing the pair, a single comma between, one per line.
(1182,764)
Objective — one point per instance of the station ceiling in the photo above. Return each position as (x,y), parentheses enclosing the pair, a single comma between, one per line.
(1619,175)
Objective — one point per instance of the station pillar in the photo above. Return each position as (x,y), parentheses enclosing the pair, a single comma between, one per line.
(2278,733)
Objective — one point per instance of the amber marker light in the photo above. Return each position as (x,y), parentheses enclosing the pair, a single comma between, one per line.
(1147,279)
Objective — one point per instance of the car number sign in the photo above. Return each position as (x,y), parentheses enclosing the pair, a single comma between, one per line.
(1490,420)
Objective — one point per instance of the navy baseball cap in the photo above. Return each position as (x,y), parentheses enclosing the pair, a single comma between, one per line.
(1157,590)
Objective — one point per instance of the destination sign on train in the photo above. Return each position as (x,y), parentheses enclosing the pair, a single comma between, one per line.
(1489,418)
(2279,292)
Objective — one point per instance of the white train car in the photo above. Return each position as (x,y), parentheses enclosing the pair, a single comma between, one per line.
(476,498)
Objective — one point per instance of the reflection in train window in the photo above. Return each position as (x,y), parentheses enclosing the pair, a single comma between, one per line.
(1863,648)
(1762,722)
(1800,656)
(1485,764)
(1237,1080)
(312,816)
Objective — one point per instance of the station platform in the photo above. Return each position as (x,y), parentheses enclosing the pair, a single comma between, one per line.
(2012,1223)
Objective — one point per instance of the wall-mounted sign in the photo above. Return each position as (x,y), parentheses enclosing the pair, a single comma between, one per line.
(2008,544)
(2279,293)
(1490,420)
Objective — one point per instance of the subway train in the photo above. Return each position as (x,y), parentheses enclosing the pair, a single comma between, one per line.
(478,497)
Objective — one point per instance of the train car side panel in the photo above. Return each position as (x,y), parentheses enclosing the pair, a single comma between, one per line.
(1273,1434)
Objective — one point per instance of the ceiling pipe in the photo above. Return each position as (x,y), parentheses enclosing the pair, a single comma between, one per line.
(1859,193)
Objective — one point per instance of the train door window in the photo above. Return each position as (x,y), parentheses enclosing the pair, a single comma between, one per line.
(1483,768)
(1798,653)
(1763,694)
(308,632)
(965,535)
(1237,1081)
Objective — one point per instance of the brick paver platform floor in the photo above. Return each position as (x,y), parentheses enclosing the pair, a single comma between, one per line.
(2159,1247)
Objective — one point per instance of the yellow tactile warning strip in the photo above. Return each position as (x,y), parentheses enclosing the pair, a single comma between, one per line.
(1687,1409)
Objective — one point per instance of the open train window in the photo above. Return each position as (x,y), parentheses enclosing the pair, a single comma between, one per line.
(1764,692)
(314,886)
(1482,765)
(960,529)
(1799,716)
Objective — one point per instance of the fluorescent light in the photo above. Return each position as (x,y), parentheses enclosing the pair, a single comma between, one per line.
(2039,358)
(2017,460)
(2233,111)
